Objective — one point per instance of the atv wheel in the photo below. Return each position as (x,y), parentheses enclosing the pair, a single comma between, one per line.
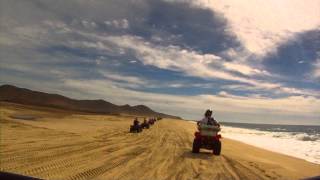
(195,146)
(217,148)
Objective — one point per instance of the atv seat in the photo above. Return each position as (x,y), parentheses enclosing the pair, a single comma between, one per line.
(208,130)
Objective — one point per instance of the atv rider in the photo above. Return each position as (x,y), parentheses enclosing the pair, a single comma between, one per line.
(136,122)
(208,119)
(145,121)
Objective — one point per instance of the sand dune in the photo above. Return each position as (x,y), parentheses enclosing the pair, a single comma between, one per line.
(62,145)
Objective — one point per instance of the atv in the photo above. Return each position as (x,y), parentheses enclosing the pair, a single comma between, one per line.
(145,125)
(151,121)
(135,128)
(208,138)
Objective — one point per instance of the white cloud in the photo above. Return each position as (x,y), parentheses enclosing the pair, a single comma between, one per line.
(174,58)
(189,106)
(194,64)
(133,61)
(57,26)
(316,70)
(228,95)
(244,69)
(275,88)
(98,61)
(88,24)
(120,23)
(191,63)
(262,25)
(97,45)
(124,78)
(176,85)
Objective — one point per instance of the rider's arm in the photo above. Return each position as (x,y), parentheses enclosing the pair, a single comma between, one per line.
(202,121)
(216,123)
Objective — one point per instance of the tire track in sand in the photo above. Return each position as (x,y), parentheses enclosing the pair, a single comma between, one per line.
(229,168)
(161,152)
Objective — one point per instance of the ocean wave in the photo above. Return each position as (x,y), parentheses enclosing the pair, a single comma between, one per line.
(308,138)
(296,135)
(277,135)
(297,144)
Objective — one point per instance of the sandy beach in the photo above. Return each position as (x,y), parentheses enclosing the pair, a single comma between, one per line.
(56,144)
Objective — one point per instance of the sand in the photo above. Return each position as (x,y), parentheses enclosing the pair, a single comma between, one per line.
(68,145)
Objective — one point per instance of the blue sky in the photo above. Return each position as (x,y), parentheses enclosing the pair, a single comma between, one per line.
(253,62)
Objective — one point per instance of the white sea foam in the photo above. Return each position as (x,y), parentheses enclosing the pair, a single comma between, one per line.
(300,145)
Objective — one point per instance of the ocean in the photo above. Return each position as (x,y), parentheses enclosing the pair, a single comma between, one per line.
(301,141)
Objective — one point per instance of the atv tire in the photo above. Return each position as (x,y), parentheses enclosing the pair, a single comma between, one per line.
(217,148)
(195,146)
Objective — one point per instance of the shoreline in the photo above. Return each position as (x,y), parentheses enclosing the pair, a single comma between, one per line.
(248,136)
(279,142)
(271,160)
(275,152)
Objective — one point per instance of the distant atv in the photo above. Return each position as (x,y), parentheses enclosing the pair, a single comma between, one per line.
(145,125)
(208,138)
(135,128)
(151,121)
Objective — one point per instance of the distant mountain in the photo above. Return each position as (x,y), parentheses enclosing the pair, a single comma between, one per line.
(15,94)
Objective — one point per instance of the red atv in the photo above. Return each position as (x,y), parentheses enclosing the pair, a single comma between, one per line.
(151,121)
(135,128)
(208,138)
(145,124)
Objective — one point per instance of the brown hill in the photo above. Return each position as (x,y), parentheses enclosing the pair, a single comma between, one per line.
(14,94)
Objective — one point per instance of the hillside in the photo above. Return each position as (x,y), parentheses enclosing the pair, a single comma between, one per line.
(15,94)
